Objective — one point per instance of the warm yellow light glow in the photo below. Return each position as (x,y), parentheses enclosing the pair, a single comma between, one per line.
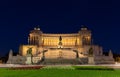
(24,49)
(65,41)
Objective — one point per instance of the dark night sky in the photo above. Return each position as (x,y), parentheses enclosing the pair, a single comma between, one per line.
(17,18)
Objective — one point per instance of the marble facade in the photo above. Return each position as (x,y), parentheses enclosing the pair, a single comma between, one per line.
(69,48)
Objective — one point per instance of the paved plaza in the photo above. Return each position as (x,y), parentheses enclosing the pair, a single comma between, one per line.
(115,66)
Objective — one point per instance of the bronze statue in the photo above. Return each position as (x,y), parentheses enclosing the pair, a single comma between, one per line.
(29,51)
(60,38)
(90,51)
(60,41)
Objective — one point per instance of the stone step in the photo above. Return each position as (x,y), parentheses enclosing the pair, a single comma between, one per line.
(66,61)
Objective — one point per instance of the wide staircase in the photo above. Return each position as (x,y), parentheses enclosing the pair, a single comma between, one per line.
(83,60)
(64,61)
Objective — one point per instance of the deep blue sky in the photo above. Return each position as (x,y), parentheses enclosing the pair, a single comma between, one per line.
(18,17)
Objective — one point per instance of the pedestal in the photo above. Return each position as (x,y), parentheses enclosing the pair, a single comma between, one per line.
(28,59)
(91,60)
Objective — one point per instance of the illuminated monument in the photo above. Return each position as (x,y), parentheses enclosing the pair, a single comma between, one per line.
(74,48)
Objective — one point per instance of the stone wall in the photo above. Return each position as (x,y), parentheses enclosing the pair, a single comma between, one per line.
(16,60)
(104,60)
